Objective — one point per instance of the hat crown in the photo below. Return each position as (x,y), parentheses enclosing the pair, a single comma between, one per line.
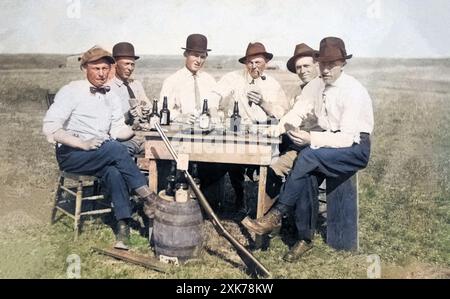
(332,49)
(197,42)
(93,54)
(254,49)
(304,50)
(301,50)
(124,49)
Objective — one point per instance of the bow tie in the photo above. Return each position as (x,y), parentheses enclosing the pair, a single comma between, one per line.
(102,90)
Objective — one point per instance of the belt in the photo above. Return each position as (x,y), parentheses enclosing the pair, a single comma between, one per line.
(361,133)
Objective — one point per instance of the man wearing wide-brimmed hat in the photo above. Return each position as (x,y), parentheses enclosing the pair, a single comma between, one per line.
(85,122)
(344,111)
(260,99)
(135,104)
(188,87)
(259,95)
(304,64)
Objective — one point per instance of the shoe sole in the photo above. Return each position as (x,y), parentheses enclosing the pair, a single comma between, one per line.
(120,245)
(297,258)
(246,222)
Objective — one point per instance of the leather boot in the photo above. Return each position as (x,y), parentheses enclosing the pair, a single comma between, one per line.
(122,235)
(265,224)
(297,251)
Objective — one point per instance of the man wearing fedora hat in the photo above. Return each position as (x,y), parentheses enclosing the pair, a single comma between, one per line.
(134,103)
(303,63)
(260,99)
(188,87)
(85,122)
(259,95)
(343,108)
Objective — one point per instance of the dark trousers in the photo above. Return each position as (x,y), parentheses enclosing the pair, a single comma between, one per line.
(112,164)
(301,189)
(210,175)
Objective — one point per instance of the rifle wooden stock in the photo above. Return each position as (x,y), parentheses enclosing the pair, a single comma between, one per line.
(249,260)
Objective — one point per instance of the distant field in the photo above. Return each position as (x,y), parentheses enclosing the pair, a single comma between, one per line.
(404,199)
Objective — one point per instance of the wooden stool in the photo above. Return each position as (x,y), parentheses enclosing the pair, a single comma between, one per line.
(82,182)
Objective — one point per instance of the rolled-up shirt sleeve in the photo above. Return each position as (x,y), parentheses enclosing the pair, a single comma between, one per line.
(58,113)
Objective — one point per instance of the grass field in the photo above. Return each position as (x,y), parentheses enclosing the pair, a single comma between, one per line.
(404,192)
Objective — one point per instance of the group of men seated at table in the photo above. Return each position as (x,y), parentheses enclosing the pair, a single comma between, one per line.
(325,126)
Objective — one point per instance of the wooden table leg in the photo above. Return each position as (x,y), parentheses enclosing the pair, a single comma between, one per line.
(152,176)
(261,241)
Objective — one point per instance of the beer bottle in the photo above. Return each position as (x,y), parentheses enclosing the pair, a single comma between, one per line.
(196,180)
(235,119)
(165,113)
(171,180)
(154,116)
(205,118)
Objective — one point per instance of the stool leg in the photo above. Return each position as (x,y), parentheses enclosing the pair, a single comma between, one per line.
(342,214)
(78,209)
(57,198)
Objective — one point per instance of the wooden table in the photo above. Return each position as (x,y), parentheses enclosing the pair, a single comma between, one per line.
(214,146)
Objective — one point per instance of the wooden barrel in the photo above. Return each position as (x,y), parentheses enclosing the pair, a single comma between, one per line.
(178,229)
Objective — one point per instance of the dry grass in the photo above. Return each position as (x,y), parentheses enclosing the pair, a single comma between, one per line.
(404,200)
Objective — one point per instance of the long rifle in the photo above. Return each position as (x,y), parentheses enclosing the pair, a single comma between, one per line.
(249,260)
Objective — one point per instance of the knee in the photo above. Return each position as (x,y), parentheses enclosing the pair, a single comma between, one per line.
(112,172)
(115,148)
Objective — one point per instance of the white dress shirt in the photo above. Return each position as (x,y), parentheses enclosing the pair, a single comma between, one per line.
(234,86)
(121,90)
(180,91)
(84,114)
(343,108)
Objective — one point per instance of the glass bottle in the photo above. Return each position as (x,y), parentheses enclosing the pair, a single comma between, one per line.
(205,117)
(154,116)
(165,113)
(235,119)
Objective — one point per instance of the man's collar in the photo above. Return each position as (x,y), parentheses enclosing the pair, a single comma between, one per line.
(119,81)
(249,78)
(338,81)
(189,73)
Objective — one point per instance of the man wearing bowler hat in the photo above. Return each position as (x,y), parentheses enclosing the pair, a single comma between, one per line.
(188,87)
(85,121)
(134,103)
(185,91)
(344,111)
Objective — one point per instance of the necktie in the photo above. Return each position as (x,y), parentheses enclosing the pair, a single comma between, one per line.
(324,112)
(249,89)
(197,93)
(130,91)
(102,90)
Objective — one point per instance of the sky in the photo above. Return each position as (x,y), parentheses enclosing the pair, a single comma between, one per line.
(370,28)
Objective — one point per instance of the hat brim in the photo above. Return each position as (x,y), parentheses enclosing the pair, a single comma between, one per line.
(291,62)
(197,50)
(268,56)
(135,57)
(110,59)
(333,58)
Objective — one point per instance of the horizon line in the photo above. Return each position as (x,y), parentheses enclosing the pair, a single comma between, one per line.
(236,55)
